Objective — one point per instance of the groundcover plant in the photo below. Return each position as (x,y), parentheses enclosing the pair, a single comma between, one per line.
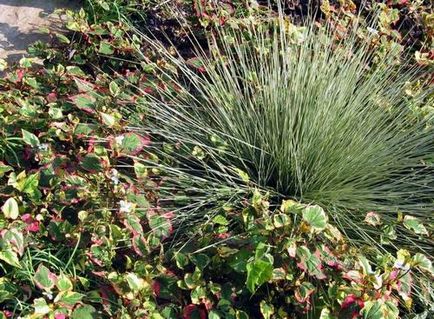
(138,184)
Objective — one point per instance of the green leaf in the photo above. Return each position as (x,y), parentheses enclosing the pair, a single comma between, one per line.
(106,48)
(160,226)
(10,208)
(84,86)
(132,222)
(28,184)
(91,163)
(84,102)
(380,310)
(8,290)
(309,262)
(258,272)
(4,169)
(114,88)
(73,25)
(243,175)
(104,5)
(315,217)
(220,220)
(84,312)
(32,82)
(26,62)
(192,280)
(366,266)
(64,283)
(30,138)
(196,62)
(3,65)
(168,312)
(200,260)
(281,220)
(267,309)
(108,119)
(55,113)
(326,314)
(84,129)
(304,291)
(62,38)
(44,279)
(421,261)
(75,70)
(372,219)
(140,170)
(414,224)
(15,239)
(213,314)
(290,206)
(238,261)
(133,143)
(140,200)
(181,260)
(68,298)
(41,307)
(261,250)
(139,245)
(241,315)
(10,257)
(198,294)
(134,282)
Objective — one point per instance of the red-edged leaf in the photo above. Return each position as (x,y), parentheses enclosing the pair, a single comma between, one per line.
(353,275)
(84,86)
(84,102)
(44,279)
(92,163)
(309,262)
(304,291)
(373,219)
(139,245)
(161,226)
(132,222)
(133,144)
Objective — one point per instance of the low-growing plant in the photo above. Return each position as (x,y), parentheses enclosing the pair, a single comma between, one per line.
(255,261)
(102,220)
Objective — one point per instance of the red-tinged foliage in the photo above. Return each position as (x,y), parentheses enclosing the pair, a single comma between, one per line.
(95,224)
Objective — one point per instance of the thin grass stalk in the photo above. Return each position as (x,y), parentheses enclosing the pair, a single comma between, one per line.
(306,117)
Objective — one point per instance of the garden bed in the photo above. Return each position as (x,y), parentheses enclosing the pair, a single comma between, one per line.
(126,192)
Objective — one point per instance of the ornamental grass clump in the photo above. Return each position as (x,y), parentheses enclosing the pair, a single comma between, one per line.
(300,112)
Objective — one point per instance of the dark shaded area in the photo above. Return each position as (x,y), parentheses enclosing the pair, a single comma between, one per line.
(17,40)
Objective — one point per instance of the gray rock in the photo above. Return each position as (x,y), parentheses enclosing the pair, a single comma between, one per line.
(20,21)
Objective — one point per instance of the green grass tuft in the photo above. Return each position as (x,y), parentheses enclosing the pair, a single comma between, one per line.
(305,116)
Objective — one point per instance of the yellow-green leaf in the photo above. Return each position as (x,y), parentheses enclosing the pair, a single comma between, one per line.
(315,217)
(10,208)
(30,138)
(414,224)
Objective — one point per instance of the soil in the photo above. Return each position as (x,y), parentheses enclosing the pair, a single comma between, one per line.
(20,21)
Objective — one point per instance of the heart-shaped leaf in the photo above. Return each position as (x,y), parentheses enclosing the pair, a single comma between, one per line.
(316,217)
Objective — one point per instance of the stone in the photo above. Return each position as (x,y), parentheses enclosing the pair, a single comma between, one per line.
(20,21)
